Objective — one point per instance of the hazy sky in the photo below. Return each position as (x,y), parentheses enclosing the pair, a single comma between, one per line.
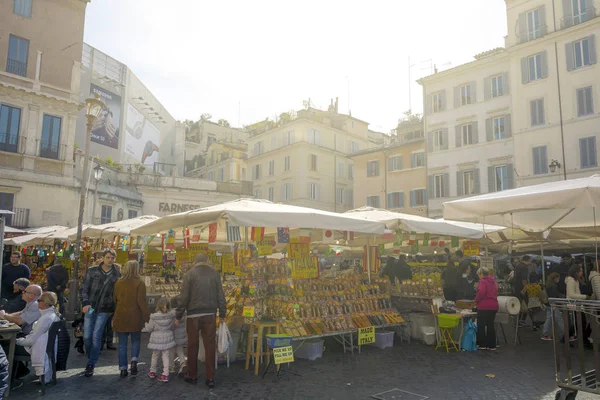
(200,56)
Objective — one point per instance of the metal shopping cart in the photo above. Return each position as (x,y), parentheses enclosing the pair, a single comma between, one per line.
(577,368)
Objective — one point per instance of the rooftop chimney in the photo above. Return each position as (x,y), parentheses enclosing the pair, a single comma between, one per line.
(336,104)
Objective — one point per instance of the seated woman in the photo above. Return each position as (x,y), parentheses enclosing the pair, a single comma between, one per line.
(36,341)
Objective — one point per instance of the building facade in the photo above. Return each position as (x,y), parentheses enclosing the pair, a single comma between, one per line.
(40,61)
(134,128)
(469,136)
(554,76)
(225,162)
(394,177)
(306,161)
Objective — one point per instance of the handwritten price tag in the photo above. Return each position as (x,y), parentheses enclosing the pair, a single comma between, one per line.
(283,355)
(248,311)
(366,335)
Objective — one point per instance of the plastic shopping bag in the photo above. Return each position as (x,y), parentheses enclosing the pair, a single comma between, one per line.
(469,342)
(201,354)
(224,339)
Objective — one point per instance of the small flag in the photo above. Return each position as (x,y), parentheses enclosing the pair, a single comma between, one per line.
(434,243)
(399,238)
(327,236)
(196,236)
(283,235)
(162,241)
(186,239)
(257,234)
(412,238)
(426,239)
(233,233)
(170,240)
(212,233)
(454,241)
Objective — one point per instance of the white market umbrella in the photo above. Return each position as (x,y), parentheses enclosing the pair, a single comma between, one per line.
(261,213)
(564,206)
(115,228)
(43,236)
(408,222)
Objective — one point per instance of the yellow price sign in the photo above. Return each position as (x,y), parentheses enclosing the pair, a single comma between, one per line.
(283,355)
(366,335)
(248,311)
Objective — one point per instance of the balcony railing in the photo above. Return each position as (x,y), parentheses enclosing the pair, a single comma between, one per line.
(20,218)
(528,36)
(49,150)
(16,67)
(9,143)
(586,15)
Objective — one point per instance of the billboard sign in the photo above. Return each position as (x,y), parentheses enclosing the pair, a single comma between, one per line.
(142,138)
(106,128)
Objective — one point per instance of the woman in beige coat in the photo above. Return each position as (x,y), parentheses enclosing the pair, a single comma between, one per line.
(131,313)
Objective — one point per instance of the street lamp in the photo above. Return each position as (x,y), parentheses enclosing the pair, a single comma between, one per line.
(98,170)
(554,165)
(94,107)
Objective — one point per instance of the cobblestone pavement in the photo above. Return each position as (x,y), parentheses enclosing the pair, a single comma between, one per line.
(525,372)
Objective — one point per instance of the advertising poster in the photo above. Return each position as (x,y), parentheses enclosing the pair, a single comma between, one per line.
(142,138)
(106,128)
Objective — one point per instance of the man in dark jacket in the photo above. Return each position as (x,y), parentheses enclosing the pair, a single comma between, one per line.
(98,305)
(58,279)
(202,295)
(17,303)
(10,273)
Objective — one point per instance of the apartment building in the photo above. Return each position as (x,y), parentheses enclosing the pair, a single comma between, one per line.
(394,176)
(224,162)
(306,161)
(200,135)
(40,61)
(469,130)
(554,76)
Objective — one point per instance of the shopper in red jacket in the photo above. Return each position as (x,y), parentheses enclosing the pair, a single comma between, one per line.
(487,307)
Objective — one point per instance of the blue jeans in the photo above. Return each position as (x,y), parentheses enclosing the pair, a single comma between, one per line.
(136,342)
(93,329)
(558,320)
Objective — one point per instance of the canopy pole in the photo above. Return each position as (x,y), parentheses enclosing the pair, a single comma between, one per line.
(369,258)
(245,238)
(595,237)
(543,264)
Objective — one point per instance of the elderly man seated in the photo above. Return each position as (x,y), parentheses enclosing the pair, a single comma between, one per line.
(25,320)
(17,303)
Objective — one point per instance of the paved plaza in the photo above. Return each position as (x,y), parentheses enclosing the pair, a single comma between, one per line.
(406,372)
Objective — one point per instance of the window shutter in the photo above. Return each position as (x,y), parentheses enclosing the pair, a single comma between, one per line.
(533,112)
(592,151)
(318,187)
(292,138)
(390,164)
(389,204)
(580,102)
(318,138)
(570,55)
(543,26)
(282,193)
(431,186)
(544,57)
(477,181)
(253,175)
(473,91)
(505,85)
(412,161)
(445,138)
(446,187)
(567,13)
(544,161)
(475,132)
(456,97)
(443,98)
(413,196)
(524,70)
(430,142)
(401,199)
(507,126)
(583,159)
(487,89)
(491,180)
(400,164)
(589,99)
(536,160)
(460,184)
(592,48)
(458,134)
(489,129)
(510,175)
(523,27)
(540,111)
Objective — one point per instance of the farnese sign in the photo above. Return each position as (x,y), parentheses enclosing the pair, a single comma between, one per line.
(175,207)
